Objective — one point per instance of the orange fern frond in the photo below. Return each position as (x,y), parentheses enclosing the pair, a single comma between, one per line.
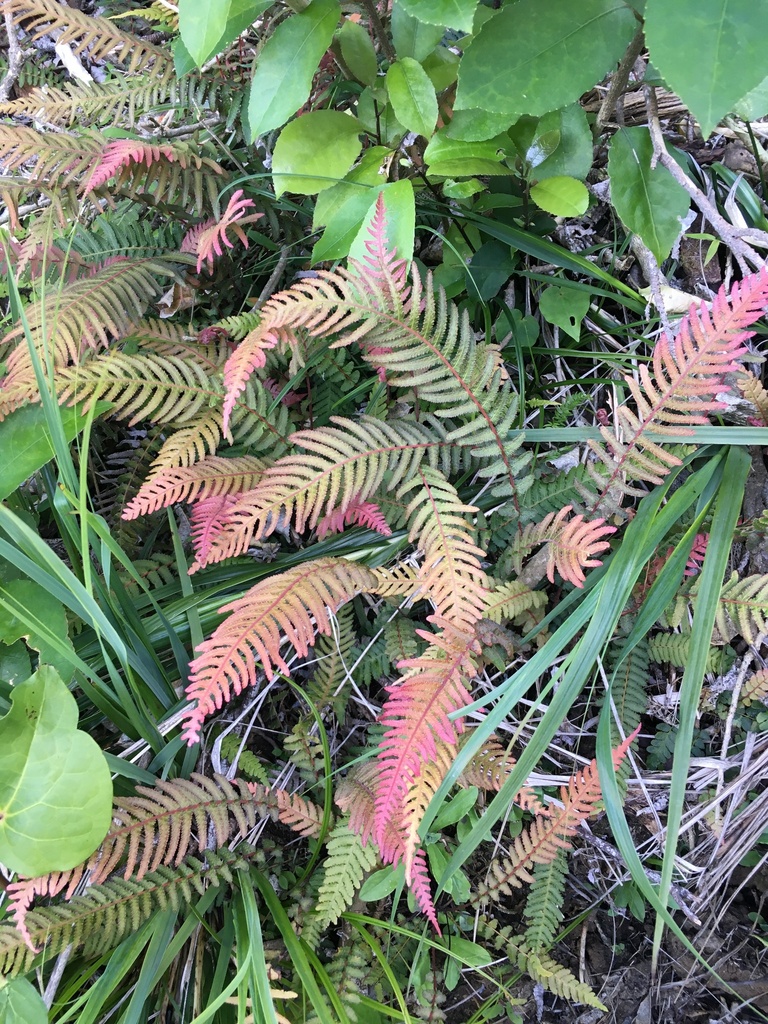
(755,689)
(158,826)
(54,159)
(301,815)
(451,575)
(572,544)
(357,513)
(103,38)
(206,239)
(295,605)
(342,465)
(540,841)
(415,716)
(677,390)
(120,152)
(207,519)
(489,769)
(211,477)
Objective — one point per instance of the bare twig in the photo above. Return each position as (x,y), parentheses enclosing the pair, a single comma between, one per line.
(745,255)
(274,277)
(15,58)
(620,79)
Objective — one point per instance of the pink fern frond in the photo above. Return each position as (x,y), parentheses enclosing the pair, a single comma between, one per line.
(420,887)
(208,518)
(206,239)
(574,545)
(249,355)
(119,153)
(359,513)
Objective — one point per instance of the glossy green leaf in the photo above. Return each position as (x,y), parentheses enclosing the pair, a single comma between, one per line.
(564,307)
(455,159)
(287,63)
(201,25)
(649,202)
(754,104)
(242,13)
(442,67)
(562,196)
(357,51)
(457,14)
(55,786)
(30,612)
(412,96)
(711,52)
(538,55)
(476,125)
(572,155)
(413,38)
(342,208)
(21,1003)
(489,270)
(375,114)
(381,883)
(26,444)
(400,205)
(315,152)
(15,665)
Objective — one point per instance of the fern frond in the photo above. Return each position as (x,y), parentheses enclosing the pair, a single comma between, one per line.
(677,390)
(97,103)
(489,769)
(282,606)
(415,336)
(451,574)
(105,914)
(59,159)
(208,517)
(213,476)
(305,750)
(572,544)
(342,464)
(206,239)
(755,689)
(742,609)
(539,965)
(359,513)
(420,792)
(675,649)
(76,317)
(303,816)
(753,390)
(415,717)
(401,639)
(248,765)
(101,36)
(159,826)
(540,842)
(166,389)
(326,688)
(238,327)
(508,600)
(346,864)
(349,972)
(544,903)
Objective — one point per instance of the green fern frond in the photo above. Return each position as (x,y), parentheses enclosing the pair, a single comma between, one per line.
(401,639)
(305,751)
(349,973)
(508,600)
(140,387)
(106,913)
(85,314)
(237,327)
(544,903)
(675,648)
(344,868)
(248,765)
(328,686)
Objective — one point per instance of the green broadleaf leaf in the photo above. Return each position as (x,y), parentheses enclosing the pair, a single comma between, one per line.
(572,155)
(562,196)
(711,52)
(201,25)
(242,13)
(30,612)
(55,786)
(564,307)
(457,14)
(315,152)
(400,205)
(456,159)
(413,38)
(358,52)
(537,55)
(21,1003)
(649,202)
(412,96)
(476,125)
(287,64)
(381,883)
(26,442)
(342,208)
